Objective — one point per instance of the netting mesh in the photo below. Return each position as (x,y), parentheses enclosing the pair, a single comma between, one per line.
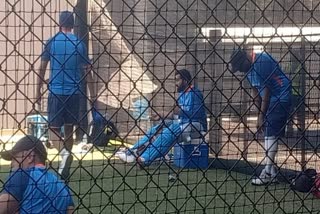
(135,48)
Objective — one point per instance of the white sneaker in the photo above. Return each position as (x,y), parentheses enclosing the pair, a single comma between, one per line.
(81,144)
(120,152)
(264,179)
(141,160)
(123,150)
(172,178)
(86,148)
(126,158)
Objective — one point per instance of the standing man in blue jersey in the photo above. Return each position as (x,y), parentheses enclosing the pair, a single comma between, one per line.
(30,187)
(69,66)
(190,110)
(272,96)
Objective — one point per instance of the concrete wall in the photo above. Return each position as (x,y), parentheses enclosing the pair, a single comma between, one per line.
(163,33)
(24,28)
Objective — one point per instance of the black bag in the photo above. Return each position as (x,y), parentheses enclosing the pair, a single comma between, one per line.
(304,181)
(102,130)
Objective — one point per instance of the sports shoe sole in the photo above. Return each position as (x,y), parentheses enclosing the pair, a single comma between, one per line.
(274,181)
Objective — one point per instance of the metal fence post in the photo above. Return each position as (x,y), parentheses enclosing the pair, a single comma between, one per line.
(215,135)
(302,114)
(81,25)
(81,30)
(244,118)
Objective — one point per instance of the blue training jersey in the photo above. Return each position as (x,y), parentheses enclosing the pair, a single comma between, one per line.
(67,56)
(38,191)
(192,108)
(266,72)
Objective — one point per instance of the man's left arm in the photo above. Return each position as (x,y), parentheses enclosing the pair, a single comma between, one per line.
(263,108)
(262,76)
(89,74)
(90,83)
(8,204)
(13,191)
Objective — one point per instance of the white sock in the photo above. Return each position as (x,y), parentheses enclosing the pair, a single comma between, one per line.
(64,152)
(271,147)
(64,155)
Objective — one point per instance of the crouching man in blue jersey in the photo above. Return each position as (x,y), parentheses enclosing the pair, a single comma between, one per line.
(190,110)
(30,187)
(272,97)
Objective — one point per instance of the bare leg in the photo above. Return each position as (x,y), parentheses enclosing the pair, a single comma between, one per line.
(64,147)
(55,138)
(68,134)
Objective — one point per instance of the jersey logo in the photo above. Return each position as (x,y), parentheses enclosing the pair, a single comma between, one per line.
(277,79)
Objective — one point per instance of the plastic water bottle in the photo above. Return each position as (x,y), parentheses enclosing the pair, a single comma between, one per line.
(176,119)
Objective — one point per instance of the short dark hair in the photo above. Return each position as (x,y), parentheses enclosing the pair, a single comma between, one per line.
(66,19)
(237,57)
(184,74)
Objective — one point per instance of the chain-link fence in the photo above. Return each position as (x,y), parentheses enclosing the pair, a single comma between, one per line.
(135,48)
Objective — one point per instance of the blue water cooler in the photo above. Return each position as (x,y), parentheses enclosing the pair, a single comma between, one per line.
(193,156)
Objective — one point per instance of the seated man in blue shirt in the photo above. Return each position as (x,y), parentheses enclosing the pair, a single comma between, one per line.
(160,138)
(30,187)
(272,96)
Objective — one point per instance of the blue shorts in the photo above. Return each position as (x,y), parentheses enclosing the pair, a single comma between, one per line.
(63,109)
(276,119)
